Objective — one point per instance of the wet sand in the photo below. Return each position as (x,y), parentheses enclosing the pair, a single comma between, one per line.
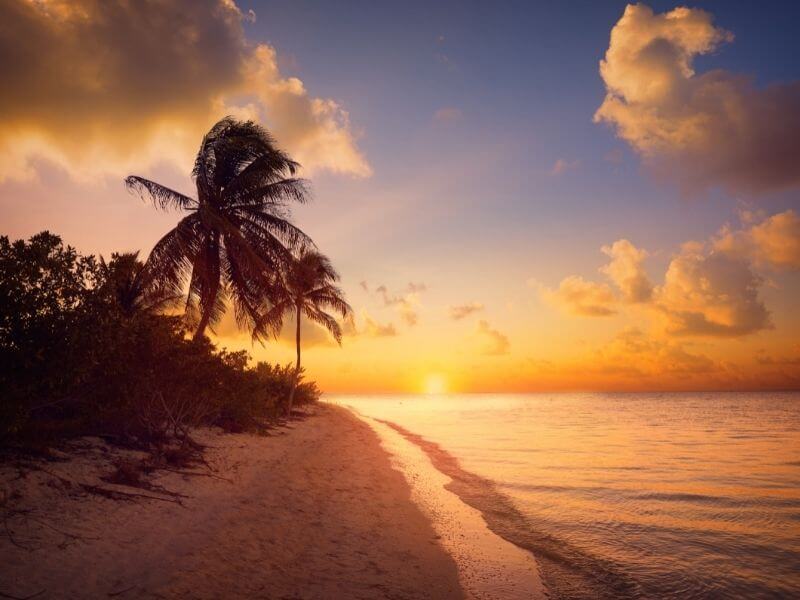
(314,511)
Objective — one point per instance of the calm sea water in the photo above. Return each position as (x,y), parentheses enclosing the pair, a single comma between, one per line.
(626,495)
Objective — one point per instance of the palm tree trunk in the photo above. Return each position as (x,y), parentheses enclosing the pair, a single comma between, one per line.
(297,366)
(207,303)
(201,328)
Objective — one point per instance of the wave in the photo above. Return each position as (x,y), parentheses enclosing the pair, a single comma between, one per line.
(567,571)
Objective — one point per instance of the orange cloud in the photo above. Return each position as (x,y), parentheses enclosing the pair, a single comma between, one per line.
(371,327)
(711,295)
(638,354)
(374,329)
(774,242)
(405,302)
(561,166)
(493,343)
(577,296)
(708,129)
(705,293)
(108,87)
(626,270)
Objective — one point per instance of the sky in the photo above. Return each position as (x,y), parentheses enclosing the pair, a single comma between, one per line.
(518,196)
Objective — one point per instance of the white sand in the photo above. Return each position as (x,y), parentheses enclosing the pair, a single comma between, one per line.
(315,511)
(490,568)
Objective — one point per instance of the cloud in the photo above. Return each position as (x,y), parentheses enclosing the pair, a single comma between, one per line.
(706,130)
(448,114)
(788,360)
(577,296)
(370,328)
(493,342)
(561,166)
(405,302)
(462,311)
(711,295)
(374,329)
(626,270)
(639,354)
(110,87)
(774,242)
(708,289)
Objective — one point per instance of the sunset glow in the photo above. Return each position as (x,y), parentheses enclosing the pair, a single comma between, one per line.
(484,226)
(435,384)
(421,300)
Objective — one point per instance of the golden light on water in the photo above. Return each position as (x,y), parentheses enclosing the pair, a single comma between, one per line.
(435,383)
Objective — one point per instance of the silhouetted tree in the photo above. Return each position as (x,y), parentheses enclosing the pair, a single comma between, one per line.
(237,233)
(126,282)
(308,288)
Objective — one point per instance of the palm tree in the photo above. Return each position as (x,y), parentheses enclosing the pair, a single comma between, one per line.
(308,287)
(126,283)
(237,231)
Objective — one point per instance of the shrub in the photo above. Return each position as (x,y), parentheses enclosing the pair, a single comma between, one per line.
(79,356)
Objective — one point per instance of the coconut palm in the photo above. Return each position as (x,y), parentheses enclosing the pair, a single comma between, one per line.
(237,231)
(126,283)
(308,288)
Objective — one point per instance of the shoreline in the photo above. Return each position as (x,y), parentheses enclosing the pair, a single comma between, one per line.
(490,566)
(313,510)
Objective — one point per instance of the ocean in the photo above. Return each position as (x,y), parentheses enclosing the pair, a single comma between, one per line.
(659,495)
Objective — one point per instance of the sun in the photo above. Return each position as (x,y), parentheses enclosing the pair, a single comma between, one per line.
(435,384)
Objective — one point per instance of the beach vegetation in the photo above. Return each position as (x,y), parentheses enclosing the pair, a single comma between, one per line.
(84,351)
(307,288)
(118,348)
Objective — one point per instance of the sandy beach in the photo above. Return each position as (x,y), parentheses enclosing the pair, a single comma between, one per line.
(314,510)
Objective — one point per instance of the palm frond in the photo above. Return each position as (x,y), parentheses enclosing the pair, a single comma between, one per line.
(170,260)
(266,194)
(322,318)
(161,196)
(271,321)
(331,298)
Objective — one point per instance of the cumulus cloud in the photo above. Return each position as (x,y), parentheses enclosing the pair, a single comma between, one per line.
(709,129)
(108,87)
(708,289)
(493,343)
(626,270)
(462,311)
(774,242)
(577,296)
(712,294)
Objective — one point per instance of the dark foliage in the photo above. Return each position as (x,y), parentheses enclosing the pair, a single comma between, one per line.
(85,350)
(236,233)
(307,287)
